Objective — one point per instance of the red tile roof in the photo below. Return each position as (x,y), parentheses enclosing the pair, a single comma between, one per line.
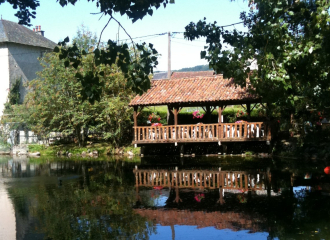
(213,89)
(176,75)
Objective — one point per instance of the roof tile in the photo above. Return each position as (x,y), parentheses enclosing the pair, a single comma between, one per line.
(190,90)
(15,33)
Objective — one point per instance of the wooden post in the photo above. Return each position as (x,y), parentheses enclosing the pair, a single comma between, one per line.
(208,114)
(169,71)
(135,115)
(175,112)
(248,109)
(170,115)
(219,114)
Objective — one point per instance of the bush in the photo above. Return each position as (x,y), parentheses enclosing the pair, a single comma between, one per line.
(229,115)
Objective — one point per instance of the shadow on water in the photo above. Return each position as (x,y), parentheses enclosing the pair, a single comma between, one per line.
(163,197)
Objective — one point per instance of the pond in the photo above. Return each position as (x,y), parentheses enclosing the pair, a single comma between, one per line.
(163,198)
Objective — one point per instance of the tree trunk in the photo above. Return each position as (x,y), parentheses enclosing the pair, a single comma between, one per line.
(78,134)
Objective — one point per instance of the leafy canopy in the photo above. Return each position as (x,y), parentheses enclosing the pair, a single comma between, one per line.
(134,10)
(287,39)
(136,70)
(55,101)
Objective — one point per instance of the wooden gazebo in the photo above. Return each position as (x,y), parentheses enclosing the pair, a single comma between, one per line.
(211,92)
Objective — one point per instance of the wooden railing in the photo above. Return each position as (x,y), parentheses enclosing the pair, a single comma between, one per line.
(235,180)
(248,131)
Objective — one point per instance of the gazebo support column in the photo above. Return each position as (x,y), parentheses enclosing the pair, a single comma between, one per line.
(220,108)
(175,112)
(170,115)
(248,109)
(208,114)
(135,115)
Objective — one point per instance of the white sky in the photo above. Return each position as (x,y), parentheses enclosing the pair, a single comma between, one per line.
(58,23)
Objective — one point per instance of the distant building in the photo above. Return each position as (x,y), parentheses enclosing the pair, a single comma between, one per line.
(159,75)
(179,75)
(20,49)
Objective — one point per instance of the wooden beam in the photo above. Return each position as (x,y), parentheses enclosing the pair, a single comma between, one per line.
(135,115)
(208,114)
(220,114)
(175,116)
(170,115)
(141,108)
(248,109)
(254,106)
(212,109)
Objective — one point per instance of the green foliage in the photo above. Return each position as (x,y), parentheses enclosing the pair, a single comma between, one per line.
(98,207)
(13,115)
(14,94)
(55,101)
(287,41)
(134,10)
(4,146)
(136,67)
(52,150)
(85,39)
(185,116)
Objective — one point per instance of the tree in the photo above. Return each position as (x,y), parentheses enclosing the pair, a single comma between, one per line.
(288,41)
(55,104)
(85,39)
(100,206)
(136,70)
(133,9)
(286,38)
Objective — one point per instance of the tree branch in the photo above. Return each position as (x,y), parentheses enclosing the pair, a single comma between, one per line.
(102,31)
(126,34)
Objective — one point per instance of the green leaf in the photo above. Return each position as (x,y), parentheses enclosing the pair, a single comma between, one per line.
(203,54)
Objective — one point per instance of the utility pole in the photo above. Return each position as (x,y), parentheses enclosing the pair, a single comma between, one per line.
(169,57)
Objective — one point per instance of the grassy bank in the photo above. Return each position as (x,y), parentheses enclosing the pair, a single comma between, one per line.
(102,148)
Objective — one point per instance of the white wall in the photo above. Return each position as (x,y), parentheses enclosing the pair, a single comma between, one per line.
(4,76)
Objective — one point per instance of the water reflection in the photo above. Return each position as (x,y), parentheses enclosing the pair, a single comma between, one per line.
(125,199)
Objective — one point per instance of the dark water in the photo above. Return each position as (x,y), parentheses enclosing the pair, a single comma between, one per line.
(163,198)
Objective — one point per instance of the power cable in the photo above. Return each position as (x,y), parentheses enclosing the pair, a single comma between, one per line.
(157,34)
(150,35)
(187,44)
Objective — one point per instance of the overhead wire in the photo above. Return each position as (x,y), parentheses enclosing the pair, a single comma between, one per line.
(150,35)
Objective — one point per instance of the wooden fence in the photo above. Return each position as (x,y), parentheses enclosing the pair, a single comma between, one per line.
(248,131)
(238,180)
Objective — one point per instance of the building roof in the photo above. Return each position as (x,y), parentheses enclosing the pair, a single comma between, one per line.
(14,33)
(159,76)
(194,91)
(177,75)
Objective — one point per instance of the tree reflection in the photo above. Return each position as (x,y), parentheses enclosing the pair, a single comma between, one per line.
(99,206)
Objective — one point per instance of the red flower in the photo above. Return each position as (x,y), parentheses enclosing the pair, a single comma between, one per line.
(319,113)
(159,119)
(321,118)
(278,121)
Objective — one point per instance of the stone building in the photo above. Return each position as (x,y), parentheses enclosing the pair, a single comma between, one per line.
(20,49)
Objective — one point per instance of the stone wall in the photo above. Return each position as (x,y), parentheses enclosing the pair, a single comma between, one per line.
(24,64)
